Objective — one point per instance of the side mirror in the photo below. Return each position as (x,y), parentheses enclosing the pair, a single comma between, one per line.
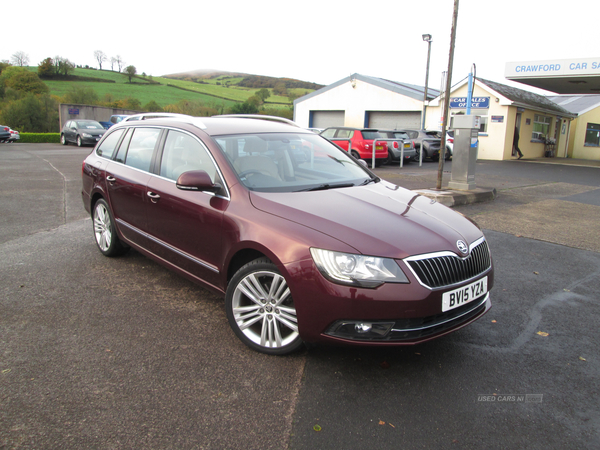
(363,163)
(197,180)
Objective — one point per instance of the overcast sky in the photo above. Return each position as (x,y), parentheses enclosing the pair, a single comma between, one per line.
(321,41)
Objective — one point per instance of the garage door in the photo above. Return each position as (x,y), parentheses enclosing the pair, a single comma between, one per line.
(392,120)
(324,119)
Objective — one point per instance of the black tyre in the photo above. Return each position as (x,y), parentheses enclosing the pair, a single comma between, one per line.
(389,159)
(79,142)
(260,309)
(63,140)
(355,154)
(104,231)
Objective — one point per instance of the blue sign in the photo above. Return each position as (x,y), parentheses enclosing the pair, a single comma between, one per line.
(476,102)
(73,111)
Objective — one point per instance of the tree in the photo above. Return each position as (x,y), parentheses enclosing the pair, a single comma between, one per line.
(100,57)
(33,114)
(130,71)
(20,59)
(22,80)
(119,62)
(113,61)
(263,94)
(244,108)
(62,66)
(46,68)
(152,106)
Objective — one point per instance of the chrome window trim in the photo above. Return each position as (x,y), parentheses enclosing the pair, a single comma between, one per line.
(146,125)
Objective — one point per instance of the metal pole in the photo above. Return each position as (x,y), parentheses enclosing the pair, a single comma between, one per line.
(427,38)
(447,98)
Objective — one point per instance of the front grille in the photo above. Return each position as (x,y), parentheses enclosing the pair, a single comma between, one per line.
(446,269)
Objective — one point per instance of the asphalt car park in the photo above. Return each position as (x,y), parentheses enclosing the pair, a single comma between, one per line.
(122,353)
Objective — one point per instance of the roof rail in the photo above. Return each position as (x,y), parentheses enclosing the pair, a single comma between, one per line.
(261,117)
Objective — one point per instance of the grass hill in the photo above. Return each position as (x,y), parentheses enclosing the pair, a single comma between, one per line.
(213,88)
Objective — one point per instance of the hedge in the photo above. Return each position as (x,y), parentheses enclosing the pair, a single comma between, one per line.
(39,138)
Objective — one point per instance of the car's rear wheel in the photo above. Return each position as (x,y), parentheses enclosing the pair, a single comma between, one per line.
(260,309)
(104,231)
(389,158)
(79,142)
(355,154)
(63,139)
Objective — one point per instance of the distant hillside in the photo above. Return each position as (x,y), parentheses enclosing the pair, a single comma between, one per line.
(243,79)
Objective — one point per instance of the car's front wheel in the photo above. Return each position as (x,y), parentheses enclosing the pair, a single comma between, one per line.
(105,232)
(79,141)
(260,309)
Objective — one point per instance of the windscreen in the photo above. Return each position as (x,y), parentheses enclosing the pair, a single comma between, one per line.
(289,162)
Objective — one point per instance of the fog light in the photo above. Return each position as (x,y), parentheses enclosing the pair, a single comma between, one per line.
(363,327)
(360,330)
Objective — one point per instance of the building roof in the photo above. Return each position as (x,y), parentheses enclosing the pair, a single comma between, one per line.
(526,99)
(577,104)
(408,90)
(511,96)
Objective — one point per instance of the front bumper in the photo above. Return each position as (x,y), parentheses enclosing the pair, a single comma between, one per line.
(392,314)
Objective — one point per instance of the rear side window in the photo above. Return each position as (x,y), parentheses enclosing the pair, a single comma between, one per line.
(108,145)
(344,134)
(141,148)
(328,133)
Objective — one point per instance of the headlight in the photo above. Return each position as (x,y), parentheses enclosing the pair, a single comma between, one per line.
(359,270)
(86,135)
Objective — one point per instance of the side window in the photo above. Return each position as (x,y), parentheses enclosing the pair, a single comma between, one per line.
(141,148)
(107,148)
(328,133)
(183,153)
(344,134)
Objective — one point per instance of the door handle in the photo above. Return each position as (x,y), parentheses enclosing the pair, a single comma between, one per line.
(110,179)
(153,197)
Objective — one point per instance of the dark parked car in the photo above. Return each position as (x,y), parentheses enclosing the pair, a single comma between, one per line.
(428,141)
(361,140)
(4,133)
(400,146)
(81,132)
(303,241)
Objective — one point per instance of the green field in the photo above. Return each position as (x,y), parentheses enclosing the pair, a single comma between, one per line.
(165,91)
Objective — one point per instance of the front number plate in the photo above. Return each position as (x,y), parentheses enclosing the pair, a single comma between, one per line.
(458,297)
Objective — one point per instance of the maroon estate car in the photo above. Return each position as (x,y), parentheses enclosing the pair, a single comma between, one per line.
(305,243)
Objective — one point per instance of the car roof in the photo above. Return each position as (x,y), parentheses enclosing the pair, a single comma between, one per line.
(225,125)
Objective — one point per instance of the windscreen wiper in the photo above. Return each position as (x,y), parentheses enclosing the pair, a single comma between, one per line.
(325,186)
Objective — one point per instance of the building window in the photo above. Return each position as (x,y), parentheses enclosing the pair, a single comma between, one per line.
(592,135)
(483,113)
(541,127)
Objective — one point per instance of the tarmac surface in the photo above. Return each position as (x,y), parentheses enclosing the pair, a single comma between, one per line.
(118,353)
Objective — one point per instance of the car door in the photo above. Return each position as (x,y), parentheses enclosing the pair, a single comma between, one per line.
(186,225)
(126,178)
(68,132)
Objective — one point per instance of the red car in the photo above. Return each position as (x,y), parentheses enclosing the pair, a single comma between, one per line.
(361,142)
(304,242)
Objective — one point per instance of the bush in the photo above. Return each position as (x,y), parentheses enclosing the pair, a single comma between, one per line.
(39,138)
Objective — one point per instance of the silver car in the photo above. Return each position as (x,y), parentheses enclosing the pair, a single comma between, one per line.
(399,141)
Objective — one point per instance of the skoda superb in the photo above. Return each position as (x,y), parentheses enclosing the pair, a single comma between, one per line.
(301,239)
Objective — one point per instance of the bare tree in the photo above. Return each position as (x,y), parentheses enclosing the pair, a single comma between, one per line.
(119,61)
(19,58)
(100,57)
(113,61)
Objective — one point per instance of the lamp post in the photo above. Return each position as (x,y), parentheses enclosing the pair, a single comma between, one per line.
(426,38)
